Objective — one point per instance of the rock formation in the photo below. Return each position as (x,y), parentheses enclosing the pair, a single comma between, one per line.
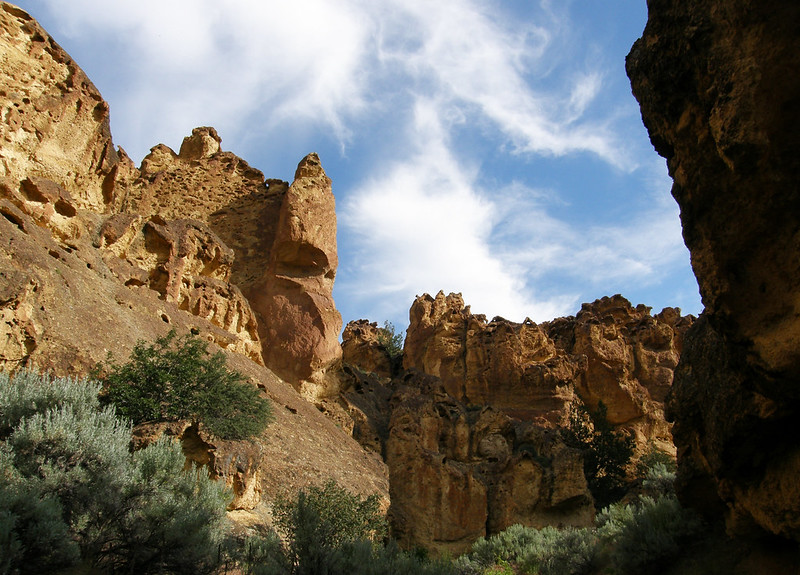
(282,240)
(610,352)
(470,431)
(361,347)
(457,473)
(96,254)
(718,89)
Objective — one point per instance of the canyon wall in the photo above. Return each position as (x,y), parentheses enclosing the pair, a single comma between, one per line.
(471,429)
(96,254)
(719,93)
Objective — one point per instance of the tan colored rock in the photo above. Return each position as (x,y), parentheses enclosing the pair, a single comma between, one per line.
(96,255)
(457,474)
(630,359)
(283,240)
(300,333)
(55,123)
(362,348)
(609,352)
(64,310)
(716,84)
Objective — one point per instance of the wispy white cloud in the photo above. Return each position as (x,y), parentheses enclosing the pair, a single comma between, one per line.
(423,219)
(230,64)
(423,227)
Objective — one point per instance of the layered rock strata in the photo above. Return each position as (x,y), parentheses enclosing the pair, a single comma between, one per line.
(718,89)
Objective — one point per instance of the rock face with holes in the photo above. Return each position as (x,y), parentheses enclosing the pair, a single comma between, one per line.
(201,227)
(610,352)
(282,243)
(96,254)
(55,123)
(719,93)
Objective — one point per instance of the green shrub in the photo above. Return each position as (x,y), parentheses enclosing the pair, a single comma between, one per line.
(606,451)
(638,537)
(321,520)
(390,340)
(363,557)
(652,457)
(28,392)
(508,545)
(71,490)
(548,551)
(659,480)
(176,378)
(566,551)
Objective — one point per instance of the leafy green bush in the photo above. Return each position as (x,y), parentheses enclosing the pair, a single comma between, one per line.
(71,490)
(176,378)
(640,536)
(606,451)
(390,340)
(321,520)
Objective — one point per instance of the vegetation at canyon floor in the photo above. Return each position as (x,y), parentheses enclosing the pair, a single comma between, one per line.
(72,493)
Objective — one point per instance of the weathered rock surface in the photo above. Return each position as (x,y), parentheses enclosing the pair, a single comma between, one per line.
(282,237)
(459,473)
(470,431)
(610,352)
(55,123)
(96,254)
(300,331)
(718,89)
(362,348)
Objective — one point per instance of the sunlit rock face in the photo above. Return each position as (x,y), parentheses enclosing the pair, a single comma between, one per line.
(609,352)
(470,431)
(283,242)
(718,88)
(295,296)
(96,254)
(457,473)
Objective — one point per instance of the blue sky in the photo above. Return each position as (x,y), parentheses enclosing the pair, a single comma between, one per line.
(489,148)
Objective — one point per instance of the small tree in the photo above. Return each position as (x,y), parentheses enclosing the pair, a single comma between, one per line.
(177,378)
(390,340)
(606,451)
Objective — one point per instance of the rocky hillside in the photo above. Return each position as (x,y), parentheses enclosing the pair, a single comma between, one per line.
(720,95)
(462,439)
(96,254)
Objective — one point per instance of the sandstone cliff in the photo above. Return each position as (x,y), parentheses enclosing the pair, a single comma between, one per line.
(96,254)
(718,88)
(610,352)
(470,431)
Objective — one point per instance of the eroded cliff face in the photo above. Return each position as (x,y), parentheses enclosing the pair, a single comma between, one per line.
(609,352)
(96,254)
(719,92)
(461,472)
(470,431)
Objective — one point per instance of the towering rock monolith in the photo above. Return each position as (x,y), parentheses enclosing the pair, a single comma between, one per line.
(719,92)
